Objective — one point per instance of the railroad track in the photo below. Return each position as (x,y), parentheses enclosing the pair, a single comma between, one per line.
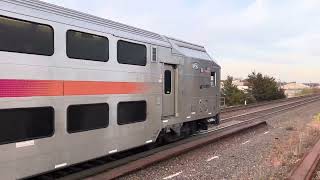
(249,106)
(129,161)
(295,102)
(248,117)
(225,114)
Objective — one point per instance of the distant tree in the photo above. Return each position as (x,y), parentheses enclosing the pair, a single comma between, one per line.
(233,96)
(264,88)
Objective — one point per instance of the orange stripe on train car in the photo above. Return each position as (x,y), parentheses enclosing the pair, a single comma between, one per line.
(30,88)
(99,88)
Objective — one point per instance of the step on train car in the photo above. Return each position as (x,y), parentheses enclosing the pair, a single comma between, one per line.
(74,87)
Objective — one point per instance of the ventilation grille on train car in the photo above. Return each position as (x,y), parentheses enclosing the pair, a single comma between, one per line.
(154,56)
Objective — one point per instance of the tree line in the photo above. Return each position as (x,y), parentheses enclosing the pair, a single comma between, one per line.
(260,88)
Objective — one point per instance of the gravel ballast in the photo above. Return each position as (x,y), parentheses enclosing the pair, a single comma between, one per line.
(263,153)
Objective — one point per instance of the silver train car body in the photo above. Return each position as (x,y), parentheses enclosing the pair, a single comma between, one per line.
(192,95)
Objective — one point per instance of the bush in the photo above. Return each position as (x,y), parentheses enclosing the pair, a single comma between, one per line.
(261,88)
(233,96)
(264,88)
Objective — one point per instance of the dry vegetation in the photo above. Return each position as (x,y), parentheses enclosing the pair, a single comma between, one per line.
(287,153)
(309,92)
(317,174)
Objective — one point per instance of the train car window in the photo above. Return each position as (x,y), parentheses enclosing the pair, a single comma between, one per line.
(87,117)
(132,53)
(26,37)
(86,46)
(213,79)
(132,112)
(26,124)
(167,82)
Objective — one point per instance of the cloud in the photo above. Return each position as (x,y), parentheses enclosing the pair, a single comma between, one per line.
(251,34)
(282,72)
(307,43)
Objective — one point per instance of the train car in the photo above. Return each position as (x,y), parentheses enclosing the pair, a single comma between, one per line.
(74,87)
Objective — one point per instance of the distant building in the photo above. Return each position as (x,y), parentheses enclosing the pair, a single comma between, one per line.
(292,89)
(243,88)
(237,82)
(241,84)
(312,85)
(222,84)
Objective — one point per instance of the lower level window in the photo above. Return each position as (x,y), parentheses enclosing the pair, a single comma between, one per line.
(25,124)
(132,112)
(87,117)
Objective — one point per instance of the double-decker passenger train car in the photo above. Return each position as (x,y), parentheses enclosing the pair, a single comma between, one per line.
(74,87)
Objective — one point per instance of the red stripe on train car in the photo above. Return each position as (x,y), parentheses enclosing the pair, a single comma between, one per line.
(28,88)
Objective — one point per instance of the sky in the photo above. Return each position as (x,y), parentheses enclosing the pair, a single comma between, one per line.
(277,38)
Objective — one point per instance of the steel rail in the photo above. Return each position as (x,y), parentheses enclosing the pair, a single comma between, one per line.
(243,107)
(307,167)
(244,115)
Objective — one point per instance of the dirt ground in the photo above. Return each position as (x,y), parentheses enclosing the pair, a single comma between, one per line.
(287,153)
(316,175)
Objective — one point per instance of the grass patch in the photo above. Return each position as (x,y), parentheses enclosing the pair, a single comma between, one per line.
(317,118)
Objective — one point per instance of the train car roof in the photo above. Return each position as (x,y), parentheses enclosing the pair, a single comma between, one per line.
(190,50)
(47,11)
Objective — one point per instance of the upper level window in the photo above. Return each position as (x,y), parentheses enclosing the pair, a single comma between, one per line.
(86,46)
(26,37)
(132,53)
